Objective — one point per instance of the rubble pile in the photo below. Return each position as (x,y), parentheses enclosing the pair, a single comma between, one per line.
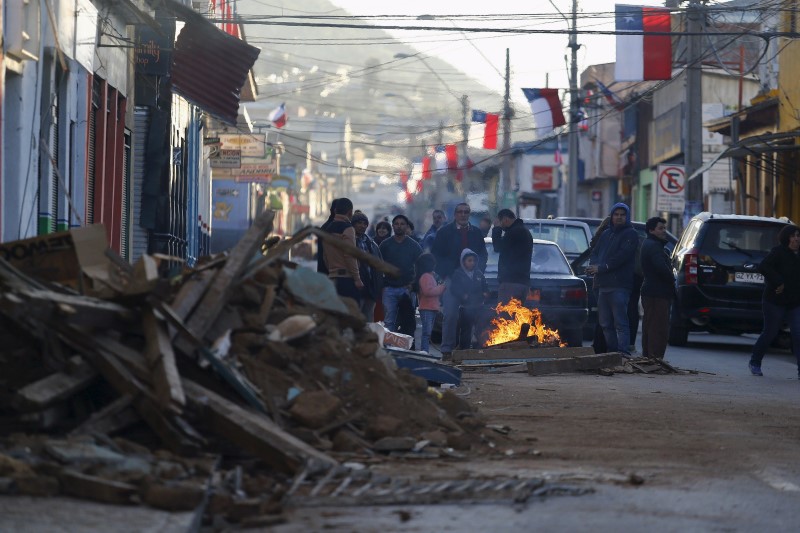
(211,388)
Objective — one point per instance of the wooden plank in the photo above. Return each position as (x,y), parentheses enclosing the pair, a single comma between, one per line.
(490,353)
(191,292)
(252,431)
(114,417)
(161,358)
(218,292)
(56,387)
(266,303)
(574,364)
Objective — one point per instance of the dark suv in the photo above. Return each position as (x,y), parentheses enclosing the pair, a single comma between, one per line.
(718,284)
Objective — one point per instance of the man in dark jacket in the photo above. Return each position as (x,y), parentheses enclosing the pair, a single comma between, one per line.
(513,242)
(612,265)
(439,220)
(371,278)
(450,241)
(657,289)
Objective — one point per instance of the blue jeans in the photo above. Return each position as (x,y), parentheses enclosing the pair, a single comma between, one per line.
(426,316)
(391,302)
(612,313)
(774,317)
(450,305)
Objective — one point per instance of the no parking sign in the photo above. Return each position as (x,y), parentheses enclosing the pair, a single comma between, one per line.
(671,188)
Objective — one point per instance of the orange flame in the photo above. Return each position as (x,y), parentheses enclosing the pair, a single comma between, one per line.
(507,330)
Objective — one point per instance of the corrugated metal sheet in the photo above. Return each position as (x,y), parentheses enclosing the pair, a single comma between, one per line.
(141,118)
(209,68)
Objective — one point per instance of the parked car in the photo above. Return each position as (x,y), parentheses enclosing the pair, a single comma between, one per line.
(571,236)
(580,263)
(718,285)
(558,294)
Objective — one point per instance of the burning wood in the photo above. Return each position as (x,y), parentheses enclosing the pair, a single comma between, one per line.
(511,329)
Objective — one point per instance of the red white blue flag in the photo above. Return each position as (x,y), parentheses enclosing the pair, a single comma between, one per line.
(610,96)
(278,116)
(546,108)
(641,55)
(483,132)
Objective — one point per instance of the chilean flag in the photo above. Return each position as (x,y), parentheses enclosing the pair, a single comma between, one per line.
(483,132)
(641,56)
(546,108)
(278,116)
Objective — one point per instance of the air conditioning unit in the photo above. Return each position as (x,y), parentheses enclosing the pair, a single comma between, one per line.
(23,21)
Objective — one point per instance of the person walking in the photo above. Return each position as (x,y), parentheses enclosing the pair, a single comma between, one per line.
(612,265)
(371,278)
(781,300)
(439,220)
(343,267)
(469,289)
(512,240)
(451,239)
(429,288)
(402,252)
(657,290)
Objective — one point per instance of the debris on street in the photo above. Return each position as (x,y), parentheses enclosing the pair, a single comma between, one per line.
(212,388)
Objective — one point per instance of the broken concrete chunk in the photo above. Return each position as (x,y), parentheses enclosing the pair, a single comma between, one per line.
(314,409)
(395,444)
(173,496)
(13,468)
(293,328)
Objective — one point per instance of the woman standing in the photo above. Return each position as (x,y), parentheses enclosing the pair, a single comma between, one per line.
(781,301)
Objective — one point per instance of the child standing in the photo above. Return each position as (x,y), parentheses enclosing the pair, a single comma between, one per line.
(468,286)
(429,288)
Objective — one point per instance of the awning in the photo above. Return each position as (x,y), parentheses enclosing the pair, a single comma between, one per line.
(209,67)
(755,145)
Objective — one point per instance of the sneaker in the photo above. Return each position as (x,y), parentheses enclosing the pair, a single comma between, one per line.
(755,370)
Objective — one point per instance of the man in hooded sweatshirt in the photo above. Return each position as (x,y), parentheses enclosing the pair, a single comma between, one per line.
(612,264)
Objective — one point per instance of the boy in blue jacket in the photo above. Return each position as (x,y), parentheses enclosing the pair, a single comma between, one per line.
(468,287)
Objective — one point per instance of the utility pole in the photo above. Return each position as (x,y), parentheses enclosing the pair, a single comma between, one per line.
(465,121)
(507,130)
(574,105)
(693,125)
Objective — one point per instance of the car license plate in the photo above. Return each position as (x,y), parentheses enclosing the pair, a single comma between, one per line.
(749,277)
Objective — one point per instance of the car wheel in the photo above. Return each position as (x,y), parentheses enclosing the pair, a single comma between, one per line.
(678,335)
(573,337)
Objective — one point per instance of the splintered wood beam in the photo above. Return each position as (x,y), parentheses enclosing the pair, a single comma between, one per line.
(252,431)
(521,352)
(56,387)
(574,364)
(158,351)
(219,290)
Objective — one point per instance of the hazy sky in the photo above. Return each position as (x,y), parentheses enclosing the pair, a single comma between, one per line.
(532,57)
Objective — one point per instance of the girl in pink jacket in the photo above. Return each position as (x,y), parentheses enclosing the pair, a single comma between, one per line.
(429,288)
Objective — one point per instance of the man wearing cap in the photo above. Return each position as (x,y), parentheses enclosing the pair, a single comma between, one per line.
(371,278)
(401,251)
(343,268)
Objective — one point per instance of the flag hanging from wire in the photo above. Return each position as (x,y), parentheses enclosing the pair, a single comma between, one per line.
(278,116)
(559,160)
(644,46)
(546,108)
(483,131)
(610,96)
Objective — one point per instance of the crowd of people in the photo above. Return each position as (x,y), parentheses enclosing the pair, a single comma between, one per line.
(442,271)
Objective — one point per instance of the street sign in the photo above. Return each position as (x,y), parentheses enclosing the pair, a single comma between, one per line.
(671,188)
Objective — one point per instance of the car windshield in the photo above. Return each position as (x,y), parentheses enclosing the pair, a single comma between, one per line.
(571,239)
(748,240)
(547,259)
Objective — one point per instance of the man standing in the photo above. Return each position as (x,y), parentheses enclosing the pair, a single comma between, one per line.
(439,219)
(512,240)
(402,252)
(612,265)
(343,268)
(451,239)
(657,289)
(371,278)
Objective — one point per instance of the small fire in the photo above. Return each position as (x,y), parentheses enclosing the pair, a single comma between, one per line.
(509,330)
